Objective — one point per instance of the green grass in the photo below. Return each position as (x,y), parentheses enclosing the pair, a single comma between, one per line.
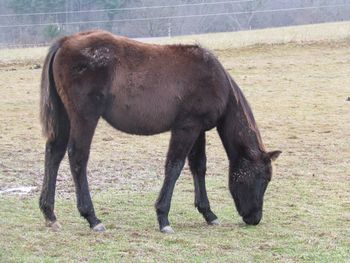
(308,229)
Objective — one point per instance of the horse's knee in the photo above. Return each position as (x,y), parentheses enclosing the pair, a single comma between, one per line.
(77,152)
(201,169)
(71,150)
(77,157)
(173,168)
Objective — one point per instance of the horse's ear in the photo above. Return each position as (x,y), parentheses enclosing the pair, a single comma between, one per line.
(273,155)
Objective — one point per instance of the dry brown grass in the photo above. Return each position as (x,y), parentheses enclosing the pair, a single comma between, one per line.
(283,35)
(298,93)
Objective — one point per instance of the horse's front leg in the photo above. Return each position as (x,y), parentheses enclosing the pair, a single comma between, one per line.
(197,161)
(82,131)
(180,144)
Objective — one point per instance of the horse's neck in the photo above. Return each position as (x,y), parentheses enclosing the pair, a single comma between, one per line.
(245,128)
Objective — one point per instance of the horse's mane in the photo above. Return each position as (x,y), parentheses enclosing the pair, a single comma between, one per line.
(244,104)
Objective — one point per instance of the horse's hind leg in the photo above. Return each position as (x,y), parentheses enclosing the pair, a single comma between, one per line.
(197,162)
(180,144)
(54,153)
(82,131)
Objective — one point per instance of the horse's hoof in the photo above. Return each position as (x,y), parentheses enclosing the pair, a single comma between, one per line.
(167,230)
(99,228)
(215,222)
(54,225)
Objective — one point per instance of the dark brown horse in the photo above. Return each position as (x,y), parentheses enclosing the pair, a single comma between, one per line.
(148,89)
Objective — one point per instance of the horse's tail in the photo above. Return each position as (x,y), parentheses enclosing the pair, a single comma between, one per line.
(52,112)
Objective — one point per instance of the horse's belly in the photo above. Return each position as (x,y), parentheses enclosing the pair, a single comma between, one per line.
(139,119)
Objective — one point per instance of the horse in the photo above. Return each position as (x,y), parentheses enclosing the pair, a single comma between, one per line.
(147,89)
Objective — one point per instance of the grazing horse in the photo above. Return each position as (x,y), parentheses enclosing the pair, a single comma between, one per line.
(148,89)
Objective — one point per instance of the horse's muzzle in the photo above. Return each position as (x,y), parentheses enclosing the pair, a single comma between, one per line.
(252,219)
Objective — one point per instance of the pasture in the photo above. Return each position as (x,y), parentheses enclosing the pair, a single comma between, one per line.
(298,92)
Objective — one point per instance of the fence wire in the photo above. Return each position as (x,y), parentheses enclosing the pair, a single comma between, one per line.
(31,29)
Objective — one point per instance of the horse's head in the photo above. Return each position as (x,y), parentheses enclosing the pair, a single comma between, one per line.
(248,181)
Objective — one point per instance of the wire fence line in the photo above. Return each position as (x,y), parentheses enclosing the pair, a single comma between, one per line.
(179,16)
(129,8)
(27,29)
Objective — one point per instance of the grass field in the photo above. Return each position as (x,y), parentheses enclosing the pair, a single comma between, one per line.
(298,92)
